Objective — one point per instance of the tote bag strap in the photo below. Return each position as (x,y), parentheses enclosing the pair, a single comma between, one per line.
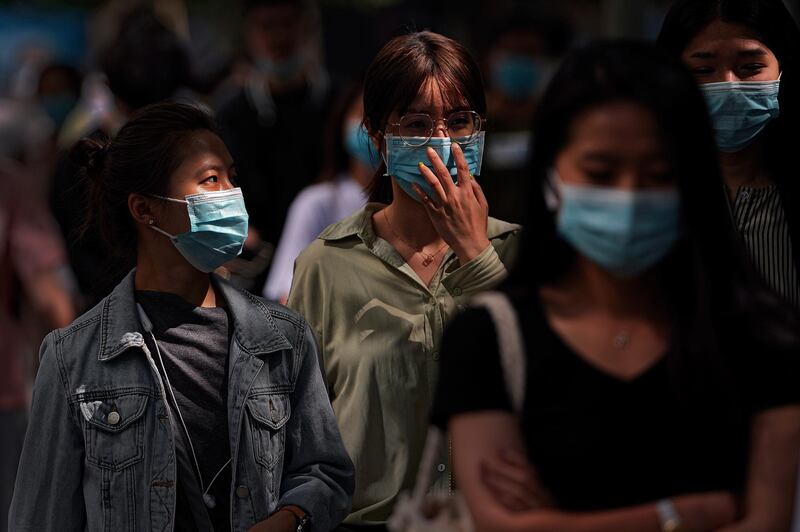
(509,344)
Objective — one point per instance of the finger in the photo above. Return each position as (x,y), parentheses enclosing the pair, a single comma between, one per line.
(464,176)
(477,190)
(434,182)
(513,473)
(442,172)
(505,493)
(427,202)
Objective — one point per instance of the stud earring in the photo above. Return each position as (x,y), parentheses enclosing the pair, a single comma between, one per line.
(151,222)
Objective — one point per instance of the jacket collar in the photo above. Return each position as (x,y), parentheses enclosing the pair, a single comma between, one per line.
(254,328)
(360,224)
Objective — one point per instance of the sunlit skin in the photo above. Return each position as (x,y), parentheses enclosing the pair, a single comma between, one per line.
(733,52)
(614,145)
(456,217)
(207,167)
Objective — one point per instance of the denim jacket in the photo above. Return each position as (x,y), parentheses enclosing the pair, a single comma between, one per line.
(100,451)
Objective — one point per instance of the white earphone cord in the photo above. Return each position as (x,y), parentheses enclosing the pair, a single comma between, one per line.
(186,430)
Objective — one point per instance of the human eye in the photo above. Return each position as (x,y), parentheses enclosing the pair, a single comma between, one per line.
(210,180)
(702,70)
(752,69)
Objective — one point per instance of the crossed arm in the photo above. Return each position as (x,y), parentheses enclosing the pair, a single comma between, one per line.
(496,496)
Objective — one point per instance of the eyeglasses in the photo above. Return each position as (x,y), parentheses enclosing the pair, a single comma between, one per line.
(416,129)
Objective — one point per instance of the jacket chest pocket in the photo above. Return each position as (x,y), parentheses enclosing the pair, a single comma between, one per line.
(114,430)
(268,415)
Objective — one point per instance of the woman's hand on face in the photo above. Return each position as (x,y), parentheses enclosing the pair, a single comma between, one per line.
(513,482)
(460,212)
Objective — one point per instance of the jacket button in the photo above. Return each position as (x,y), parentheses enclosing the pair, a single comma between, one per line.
(441,468)
(242,492)
(457,291)
(113,418)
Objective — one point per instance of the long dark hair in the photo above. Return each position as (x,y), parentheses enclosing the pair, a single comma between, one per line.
(705,281)
(775,27)
(399,71)
(140,159)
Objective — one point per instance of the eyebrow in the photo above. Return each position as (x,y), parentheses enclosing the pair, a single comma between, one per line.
(447,112)
(751,52)
(215,167)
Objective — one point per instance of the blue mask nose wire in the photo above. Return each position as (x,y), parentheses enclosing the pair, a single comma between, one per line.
(208,499)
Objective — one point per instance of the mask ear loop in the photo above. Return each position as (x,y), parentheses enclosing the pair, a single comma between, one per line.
(552,198)
(152,225)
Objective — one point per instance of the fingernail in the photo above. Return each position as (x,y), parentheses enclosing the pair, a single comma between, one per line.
(420,164)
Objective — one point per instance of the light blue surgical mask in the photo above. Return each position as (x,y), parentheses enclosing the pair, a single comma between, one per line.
(402,160)
(625,232)
(517,76)
(359,146)
(740,110)
(281,69)
(218,228)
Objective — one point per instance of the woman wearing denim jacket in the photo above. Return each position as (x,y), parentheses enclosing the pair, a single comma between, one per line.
(179,402)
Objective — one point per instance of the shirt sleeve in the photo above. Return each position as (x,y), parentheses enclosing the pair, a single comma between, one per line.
(470,377)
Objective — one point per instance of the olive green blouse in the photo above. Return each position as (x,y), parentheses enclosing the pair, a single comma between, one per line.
(379,330)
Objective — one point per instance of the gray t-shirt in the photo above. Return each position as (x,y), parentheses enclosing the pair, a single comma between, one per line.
(193,343)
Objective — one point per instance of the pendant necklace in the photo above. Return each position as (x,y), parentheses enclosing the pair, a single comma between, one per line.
(427,258)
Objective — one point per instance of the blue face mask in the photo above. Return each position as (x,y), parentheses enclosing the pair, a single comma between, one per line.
(359,146)
(740,110)
(624,231)
(218,228)
(281,69)
(402,160)
(517,76)
(58,106)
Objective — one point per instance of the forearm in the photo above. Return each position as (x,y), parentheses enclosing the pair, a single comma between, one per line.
(635,519)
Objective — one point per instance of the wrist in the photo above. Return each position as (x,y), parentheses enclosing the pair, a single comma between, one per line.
(299,516)
(471,250)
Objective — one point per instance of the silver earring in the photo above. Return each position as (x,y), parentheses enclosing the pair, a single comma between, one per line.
(151,222)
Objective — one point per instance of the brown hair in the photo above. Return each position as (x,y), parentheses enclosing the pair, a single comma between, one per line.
(140,159)
(400,70)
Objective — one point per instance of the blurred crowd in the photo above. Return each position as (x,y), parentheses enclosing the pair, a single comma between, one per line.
(284,81)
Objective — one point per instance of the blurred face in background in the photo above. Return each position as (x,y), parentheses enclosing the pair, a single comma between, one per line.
(618,204)
(518,65)
(275,31)
(615,145)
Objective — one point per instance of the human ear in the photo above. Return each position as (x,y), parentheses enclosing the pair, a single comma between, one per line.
(140,209)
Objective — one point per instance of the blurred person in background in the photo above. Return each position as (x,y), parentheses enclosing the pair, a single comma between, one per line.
(660,377)
(378,286)
(350,164)
(33,284)
(58,92)
(274,125)
(744,55)
(179,402)
(524,50)
(145,63)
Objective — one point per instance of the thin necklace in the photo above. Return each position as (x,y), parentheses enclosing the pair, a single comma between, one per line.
(427,258)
